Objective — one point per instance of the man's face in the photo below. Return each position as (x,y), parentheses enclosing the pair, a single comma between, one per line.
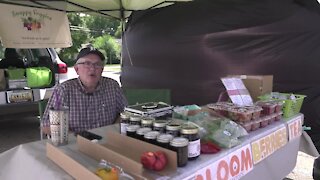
(89,68)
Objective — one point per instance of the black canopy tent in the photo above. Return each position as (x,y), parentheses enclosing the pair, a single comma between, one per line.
(188,47)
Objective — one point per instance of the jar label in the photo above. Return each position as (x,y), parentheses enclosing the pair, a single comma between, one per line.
(123,128)
(194,148)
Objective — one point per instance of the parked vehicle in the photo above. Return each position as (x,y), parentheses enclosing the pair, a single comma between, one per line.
(18,96)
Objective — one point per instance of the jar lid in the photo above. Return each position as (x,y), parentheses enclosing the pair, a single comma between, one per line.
(164,138)
(189,129)
(151,135)
(132,128)
(173,126)
(142,131)
(179,142)
(147,120)
(135,118)
(124,115)
(160,123)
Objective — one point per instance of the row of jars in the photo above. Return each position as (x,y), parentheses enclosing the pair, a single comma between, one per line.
(181,138)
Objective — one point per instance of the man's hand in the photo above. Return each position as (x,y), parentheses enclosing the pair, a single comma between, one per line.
(46,130)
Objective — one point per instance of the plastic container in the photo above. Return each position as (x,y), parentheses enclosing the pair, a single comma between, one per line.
(246,125)
(267,107)
(279,106)
(255,124)
(278,116)
(240,114)
(264,121)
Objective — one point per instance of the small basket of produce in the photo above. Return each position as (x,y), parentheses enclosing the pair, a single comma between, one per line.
(291,102)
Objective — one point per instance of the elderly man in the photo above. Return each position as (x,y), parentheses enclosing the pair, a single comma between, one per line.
(93,100)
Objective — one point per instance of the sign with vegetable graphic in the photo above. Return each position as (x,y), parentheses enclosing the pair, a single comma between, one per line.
(27,27)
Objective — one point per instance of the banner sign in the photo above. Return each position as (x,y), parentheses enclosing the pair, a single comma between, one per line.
(265,146)
(26,27)
(295,128)
(233,166)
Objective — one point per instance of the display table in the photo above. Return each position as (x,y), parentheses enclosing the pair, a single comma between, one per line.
(267,153)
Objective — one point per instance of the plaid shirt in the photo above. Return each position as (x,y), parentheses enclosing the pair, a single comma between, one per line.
(88,110)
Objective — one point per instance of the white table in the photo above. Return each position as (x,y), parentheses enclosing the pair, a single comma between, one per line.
(29,161)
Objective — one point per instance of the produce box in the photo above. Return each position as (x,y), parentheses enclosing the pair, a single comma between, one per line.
(121,150)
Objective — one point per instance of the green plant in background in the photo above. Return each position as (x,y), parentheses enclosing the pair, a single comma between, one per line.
(96,30)
(110,46)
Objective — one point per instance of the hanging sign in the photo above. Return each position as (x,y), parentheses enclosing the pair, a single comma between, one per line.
(26,27)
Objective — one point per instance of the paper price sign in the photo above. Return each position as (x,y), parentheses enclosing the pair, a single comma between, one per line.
(264,147)
(295,128)
(233,166)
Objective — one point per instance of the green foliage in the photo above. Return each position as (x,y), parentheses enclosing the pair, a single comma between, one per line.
(110,47)
(97,29)
(100,26)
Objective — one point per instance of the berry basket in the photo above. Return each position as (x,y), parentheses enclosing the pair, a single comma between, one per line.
(291,105)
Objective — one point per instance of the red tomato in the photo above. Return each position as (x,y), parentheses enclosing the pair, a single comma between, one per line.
(154,160)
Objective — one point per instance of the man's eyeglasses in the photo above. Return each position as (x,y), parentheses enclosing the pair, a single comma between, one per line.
(89,64)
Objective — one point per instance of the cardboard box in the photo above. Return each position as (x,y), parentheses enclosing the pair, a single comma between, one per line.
(120,150)
(19,96)
(257,85)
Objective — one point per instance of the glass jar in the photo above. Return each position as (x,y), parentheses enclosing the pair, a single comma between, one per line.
(173,129)
(180,146)
(141,132)
(160,125)
(190,132)
(163,140)
(147,122)
(124,122)
(131,130)
(135,120)
(151,137)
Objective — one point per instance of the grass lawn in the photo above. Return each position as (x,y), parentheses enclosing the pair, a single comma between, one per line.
(113,67)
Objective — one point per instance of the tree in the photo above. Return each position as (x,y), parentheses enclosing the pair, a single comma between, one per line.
(97,30)
(100,26)
(110,46)
(78,38)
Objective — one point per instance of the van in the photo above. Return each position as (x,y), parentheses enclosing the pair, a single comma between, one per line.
(16,96)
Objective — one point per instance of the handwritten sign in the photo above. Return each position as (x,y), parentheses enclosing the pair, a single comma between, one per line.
(233,166)
(295,128)
(264,147)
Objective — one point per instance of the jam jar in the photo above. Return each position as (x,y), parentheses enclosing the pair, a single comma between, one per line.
(190,132)
(141,132)
(135,120)
(160,125)
(124,122)
(151,137)
(131,130)
(147,122)
(163,140)
(180,146)
(173,129)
